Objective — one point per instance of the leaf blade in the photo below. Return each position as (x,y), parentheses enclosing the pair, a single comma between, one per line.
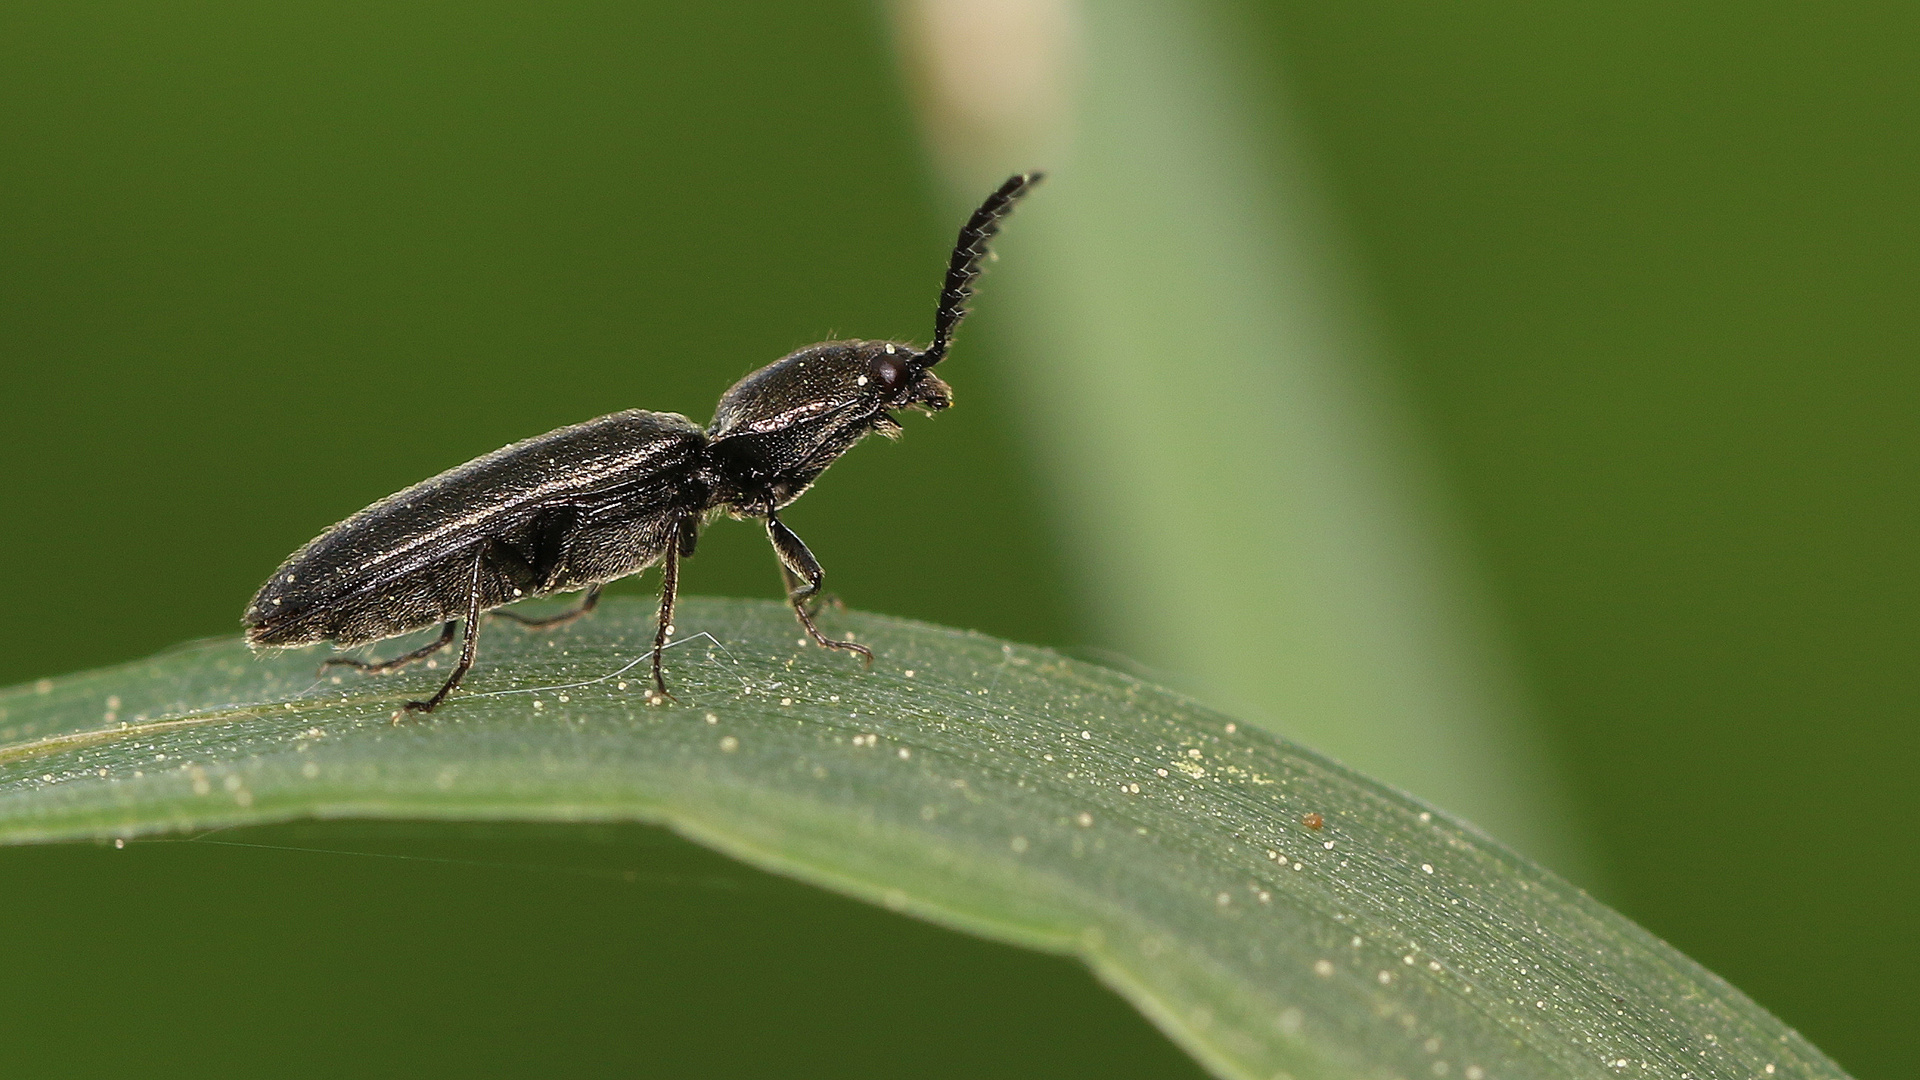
(997,789)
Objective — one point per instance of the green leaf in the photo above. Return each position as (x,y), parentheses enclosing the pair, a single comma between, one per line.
(994,788)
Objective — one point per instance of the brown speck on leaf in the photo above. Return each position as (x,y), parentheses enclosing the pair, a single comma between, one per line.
(1313,821)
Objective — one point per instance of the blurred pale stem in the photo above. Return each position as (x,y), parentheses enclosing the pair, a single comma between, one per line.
(995,81)
(1243,500)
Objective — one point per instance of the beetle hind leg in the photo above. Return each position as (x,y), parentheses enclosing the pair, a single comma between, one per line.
(587,604)
(376,667)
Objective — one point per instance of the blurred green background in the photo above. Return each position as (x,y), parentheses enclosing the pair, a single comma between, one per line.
(1646,274)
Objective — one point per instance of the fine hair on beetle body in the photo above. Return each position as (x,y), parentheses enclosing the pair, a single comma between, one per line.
(584,505)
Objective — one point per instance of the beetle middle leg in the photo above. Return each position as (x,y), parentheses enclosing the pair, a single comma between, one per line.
(376,667)
(587,604)
(803,576)
(669,593)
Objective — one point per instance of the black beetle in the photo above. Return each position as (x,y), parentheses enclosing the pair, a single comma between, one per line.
(581,506)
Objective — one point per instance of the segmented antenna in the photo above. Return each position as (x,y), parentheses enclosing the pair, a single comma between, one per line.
(965,264)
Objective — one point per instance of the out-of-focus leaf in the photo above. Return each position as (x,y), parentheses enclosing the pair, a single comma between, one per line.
(1209,400)
(1273,912)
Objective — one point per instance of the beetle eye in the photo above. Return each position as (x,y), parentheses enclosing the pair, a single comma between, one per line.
(889,372)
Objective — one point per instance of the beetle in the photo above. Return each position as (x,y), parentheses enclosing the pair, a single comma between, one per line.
(584,505)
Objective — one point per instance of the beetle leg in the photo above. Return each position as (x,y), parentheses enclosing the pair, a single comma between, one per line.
(587,604)
(376,667)
(814,600)
(469,645)
(669,592)
(803,576)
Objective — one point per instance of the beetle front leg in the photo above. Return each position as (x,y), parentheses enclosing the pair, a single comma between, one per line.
(814,599)
(803,576)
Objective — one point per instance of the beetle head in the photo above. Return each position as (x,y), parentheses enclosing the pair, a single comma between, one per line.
(837,388)
(901,377)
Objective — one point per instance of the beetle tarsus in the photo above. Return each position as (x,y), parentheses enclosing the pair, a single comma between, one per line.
(825,642)
(804,610)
